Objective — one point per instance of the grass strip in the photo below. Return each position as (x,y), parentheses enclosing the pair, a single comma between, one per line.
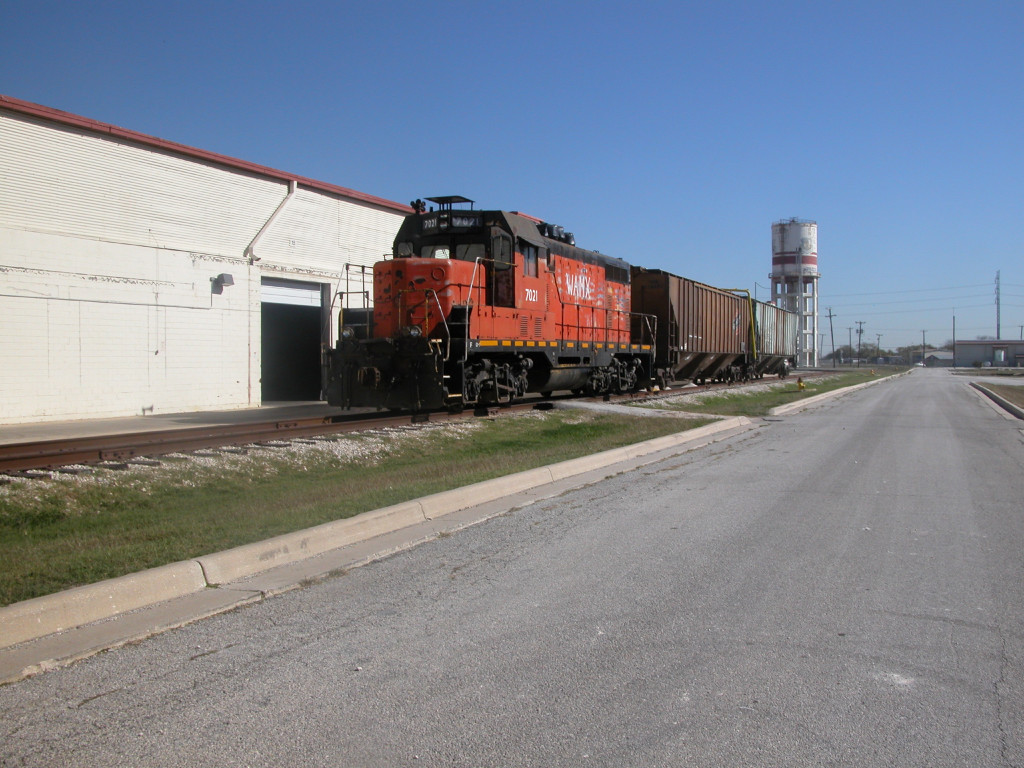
(759,403)
(1011,392)
(66,531)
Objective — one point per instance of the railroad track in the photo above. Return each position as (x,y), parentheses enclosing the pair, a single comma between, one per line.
(136,446)
(120,449)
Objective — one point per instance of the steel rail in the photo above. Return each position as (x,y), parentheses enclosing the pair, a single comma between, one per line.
(133,446)
(129,446)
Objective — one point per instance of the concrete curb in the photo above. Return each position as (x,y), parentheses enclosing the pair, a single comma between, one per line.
(809,401)
(1002,402)
(43,616)
(234,564)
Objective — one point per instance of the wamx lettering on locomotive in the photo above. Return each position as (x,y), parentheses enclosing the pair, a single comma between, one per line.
(579,286)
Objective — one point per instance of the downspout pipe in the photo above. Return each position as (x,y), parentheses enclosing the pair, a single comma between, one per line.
(251,257)
(250,250)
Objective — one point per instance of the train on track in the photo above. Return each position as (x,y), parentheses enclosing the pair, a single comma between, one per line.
(480,307)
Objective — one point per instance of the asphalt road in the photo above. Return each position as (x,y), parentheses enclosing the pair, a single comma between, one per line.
(840,587)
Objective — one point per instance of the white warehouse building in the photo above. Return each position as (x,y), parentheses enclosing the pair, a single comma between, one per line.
(138,275)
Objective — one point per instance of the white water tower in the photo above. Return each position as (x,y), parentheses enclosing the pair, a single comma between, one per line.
(794,279)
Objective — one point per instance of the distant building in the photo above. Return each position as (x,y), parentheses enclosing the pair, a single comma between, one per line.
(939,359)
(990,353)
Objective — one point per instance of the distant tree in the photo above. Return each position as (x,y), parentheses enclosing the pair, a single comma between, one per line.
(843,354)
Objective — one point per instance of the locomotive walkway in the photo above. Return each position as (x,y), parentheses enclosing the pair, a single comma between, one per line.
(56,629)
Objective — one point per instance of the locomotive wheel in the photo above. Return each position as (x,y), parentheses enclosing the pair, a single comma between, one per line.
(546,394)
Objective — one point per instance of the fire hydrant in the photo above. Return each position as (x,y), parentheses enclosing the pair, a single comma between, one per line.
(800,383)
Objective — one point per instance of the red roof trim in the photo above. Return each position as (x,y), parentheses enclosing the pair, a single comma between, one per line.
(66,118)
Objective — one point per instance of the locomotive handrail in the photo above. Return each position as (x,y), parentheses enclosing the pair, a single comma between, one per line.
(472,279)
(339,294)
(341,307)
(427,293)
(609,313)
(469,307)
(647,318)
(444,322)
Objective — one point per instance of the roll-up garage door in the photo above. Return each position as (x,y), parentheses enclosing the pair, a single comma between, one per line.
(293,319)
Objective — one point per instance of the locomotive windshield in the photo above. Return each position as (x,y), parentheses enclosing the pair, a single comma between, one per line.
(463,251)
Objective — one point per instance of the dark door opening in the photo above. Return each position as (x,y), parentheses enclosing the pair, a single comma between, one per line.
(292,327)
(291,352)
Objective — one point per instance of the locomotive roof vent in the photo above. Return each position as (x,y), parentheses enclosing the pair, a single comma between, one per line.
(556,232)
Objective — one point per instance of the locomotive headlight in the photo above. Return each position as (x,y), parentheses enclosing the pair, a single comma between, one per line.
(413,331)
(348,333)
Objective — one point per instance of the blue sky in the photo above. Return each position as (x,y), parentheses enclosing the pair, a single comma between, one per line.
(670,134)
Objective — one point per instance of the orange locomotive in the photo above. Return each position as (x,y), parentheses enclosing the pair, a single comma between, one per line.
(480,307)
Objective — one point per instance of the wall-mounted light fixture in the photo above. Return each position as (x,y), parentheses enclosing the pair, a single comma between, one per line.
(217,283)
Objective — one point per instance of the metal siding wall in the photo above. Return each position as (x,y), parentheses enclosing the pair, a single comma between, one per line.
(106,255)
(63,180)
(105,343)
(318,232)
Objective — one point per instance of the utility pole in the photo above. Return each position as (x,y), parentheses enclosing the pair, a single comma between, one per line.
(922,347)
(999,335)
(832,334)
(850,344)
(878,345)
(860,336)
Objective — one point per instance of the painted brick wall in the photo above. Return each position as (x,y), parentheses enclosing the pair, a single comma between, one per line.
(107,249)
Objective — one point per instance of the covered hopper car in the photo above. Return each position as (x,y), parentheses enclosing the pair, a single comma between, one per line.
(708,334)
(481,307)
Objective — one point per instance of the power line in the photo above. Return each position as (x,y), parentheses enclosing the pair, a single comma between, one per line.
(917,290)
(920,310)
(915,330)
(912,301)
